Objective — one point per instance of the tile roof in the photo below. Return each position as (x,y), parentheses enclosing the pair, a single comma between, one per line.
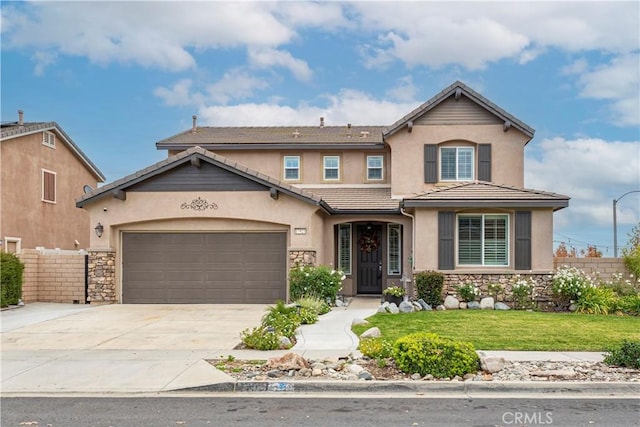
(479,193)
(14,130)
(469,93)
(287,135)
(185,156)
(349,199)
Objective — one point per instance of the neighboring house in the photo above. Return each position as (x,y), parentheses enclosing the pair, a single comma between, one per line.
(231,209)
(42,172)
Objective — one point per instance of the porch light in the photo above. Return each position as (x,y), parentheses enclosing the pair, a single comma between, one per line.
(99,230)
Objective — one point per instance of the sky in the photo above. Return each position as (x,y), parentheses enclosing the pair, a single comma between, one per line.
(120,76)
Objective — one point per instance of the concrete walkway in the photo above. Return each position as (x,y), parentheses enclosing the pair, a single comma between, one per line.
(52,348)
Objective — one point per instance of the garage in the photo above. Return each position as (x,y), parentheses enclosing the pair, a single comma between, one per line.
(203,268)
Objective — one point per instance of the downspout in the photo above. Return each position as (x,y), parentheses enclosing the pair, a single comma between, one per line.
(413,235)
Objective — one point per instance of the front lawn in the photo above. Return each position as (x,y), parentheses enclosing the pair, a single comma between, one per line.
(513,330)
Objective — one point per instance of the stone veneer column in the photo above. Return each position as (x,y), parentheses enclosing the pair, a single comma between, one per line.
(102,276)
(302,258)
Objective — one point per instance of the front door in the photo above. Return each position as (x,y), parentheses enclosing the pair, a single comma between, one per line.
(369,258)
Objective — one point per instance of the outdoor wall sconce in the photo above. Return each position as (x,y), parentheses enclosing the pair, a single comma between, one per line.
(99,230)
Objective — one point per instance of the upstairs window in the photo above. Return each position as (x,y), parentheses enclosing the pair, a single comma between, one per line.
(48,186)
(374,168)
(291,168)
(456,163)
(483,240)
(331,168)
(49,139)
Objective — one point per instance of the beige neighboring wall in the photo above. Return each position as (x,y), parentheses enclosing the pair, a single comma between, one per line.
(23,213)
(426,252)
(407,153)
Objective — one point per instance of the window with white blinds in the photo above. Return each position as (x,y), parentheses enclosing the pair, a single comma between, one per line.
(344,248)
(483,240)
(394,249)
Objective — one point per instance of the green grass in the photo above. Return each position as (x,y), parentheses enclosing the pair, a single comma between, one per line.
(513,330)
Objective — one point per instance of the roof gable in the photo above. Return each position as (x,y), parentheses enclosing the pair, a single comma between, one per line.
(172,173)
(459,91)
(14,130)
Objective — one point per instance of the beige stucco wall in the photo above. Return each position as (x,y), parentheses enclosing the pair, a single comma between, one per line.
(242,211)
(426,251)
(407,151)
(23,214)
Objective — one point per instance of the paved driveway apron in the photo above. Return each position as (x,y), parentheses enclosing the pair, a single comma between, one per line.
(117,348)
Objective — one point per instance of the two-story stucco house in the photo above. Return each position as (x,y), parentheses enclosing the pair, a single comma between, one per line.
(42,172)
(231,209)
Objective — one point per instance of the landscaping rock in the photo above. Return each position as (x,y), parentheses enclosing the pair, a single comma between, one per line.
(451,303)
(416,306)
(573,307)
(487,303)
(424,305)
(501,306)
(557,373)
(339,303)
(285,343)
(492,364)
(287,362)
(354,369)
(405,307)
(383,308)
(473,305)
(440,308)
(364,375)
(358,322)
(463,305)
(371,333)
(393,308)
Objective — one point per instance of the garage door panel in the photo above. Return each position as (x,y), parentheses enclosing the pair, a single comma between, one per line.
(204,267)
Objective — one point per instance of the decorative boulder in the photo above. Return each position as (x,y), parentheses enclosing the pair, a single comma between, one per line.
(492,364)
(405,307)
(573,307)
(463,305)
(486,303)
(424,305)
(473,305)
(451,303)
(501,306)
(382,309)
(371,333)
(285,343)
(393,308)
(416,306)
(288,362)
(440,308)
(357,322)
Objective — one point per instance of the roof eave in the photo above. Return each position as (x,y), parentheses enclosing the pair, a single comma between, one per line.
(272,146)
(489,203)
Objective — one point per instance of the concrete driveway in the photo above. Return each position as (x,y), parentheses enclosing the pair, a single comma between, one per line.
(118,348)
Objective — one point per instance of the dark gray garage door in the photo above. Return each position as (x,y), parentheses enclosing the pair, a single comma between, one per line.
(203,268)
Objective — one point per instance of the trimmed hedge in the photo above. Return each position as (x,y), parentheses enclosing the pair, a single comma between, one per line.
(11,269)
(429,285)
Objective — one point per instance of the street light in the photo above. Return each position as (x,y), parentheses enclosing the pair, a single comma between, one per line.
(615,224)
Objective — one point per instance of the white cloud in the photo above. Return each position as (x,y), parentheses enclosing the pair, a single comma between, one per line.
(405,90)
(578,66)
(267,58)
(179,94)
(235,84)
(591,171)
(42,60)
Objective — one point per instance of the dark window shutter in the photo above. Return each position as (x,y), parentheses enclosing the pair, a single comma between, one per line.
(446,244)
(49,183)
(430,163)
(523,240)
(484,162)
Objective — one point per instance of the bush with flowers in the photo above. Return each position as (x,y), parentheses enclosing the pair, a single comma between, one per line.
(523,290)
(568,283)
(468,292)
(321,282)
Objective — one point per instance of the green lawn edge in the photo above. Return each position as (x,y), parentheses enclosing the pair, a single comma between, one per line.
(512,330)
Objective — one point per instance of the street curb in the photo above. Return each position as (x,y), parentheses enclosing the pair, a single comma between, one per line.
(466,387)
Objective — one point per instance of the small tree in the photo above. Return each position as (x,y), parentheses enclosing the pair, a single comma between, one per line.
(631,253)
(591,252)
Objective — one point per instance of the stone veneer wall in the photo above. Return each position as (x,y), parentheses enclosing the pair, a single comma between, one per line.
(102,276)
(482,281)
(53,277)
(302,258)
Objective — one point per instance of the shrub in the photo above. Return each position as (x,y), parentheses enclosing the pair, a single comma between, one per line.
(523,291)
(631,254)
(495,289)
(283,318)
(626,355)
(11,279)
(468,292)
(427,353)
(376,348)
(568,283)
(596,301)
(629,304)
(308,316)
(621,286)
(260,338)
(320,282)
(429,286)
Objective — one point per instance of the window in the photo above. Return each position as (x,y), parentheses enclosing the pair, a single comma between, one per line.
(394,249)
(48,186)
(374,168)
(344,248)
(483,240)
(12,245)
(331,168)
(456,163)
(292,168)
(49,139)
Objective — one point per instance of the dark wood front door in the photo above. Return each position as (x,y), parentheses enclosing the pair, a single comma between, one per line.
(369,259)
